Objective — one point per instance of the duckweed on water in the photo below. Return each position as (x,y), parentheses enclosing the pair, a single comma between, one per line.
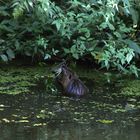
(131,88)
(16,80)
(105,121)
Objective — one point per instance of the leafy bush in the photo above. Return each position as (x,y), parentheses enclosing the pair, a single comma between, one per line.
(105,31)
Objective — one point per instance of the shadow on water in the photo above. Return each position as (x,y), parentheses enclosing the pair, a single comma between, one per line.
(43,116)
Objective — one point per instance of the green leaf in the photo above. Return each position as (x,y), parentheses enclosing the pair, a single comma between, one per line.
(129,57)
(17,45)
(126,6)
(57,23)
(133,45)
(111,26)
(47,56)
(82,38)
(66,50)
(73,49)
(10,54)
(135,16)
(117,34)
(28,53)
(4,57)
(134,70)
(75,55)
(103,25)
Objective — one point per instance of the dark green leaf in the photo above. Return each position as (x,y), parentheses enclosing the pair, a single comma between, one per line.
(135,16)
(4,57)
(10,54)
(133,45)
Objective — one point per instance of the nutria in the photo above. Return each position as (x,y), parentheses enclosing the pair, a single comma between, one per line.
(71,84)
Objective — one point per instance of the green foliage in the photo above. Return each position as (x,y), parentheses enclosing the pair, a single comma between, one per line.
(105,31)
(120,58)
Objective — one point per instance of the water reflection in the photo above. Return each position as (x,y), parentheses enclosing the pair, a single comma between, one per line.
(69,131)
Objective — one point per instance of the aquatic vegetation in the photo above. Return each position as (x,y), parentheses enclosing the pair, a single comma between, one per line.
(131,88)
(106,121)
(16,80)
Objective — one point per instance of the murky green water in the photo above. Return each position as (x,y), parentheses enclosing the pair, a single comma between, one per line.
(104,114)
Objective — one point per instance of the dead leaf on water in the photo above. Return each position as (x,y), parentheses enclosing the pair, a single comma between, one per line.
(5,120)
(39,124)
(23,121)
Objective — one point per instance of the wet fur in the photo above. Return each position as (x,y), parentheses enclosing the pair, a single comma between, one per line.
(70,82)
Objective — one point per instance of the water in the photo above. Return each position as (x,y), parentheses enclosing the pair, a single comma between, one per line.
(101,115)
(44,117)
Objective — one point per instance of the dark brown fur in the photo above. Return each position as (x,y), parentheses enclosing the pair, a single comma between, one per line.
(70,82)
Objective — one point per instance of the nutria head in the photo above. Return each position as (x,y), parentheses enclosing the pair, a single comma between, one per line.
(69,81)
(63,74)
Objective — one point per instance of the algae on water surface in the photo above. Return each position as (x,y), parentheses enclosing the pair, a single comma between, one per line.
(16,80)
